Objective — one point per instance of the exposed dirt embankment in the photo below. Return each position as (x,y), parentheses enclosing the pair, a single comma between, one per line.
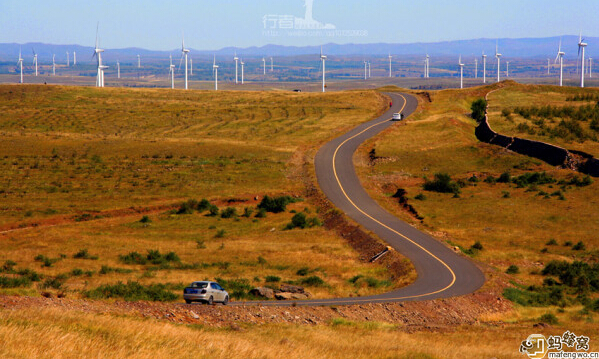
(409,315)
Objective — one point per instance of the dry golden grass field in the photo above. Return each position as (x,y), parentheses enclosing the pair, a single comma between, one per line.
(77,159)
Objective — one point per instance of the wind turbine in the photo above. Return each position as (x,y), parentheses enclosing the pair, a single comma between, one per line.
(118,69)
(68,60)
(264,64)
(475,68)
(369,76)
(427,66)
(548,66)
(102,68)
(35,61)
(171,70)
(191,66)
(138,62)
(236,67)
(323,59)
(507,69)
(271,65)
(53,65)
(242,64)
(498,56)
(581,46)
(74,58)
(184,52)
(20,62)
(98,54)
(215,73)
(461,65)
(560,57)
(390,72)
(590,67)
(484,68)
(365,70)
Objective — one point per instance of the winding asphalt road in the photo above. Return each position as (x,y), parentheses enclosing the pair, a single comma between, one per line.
(441,272)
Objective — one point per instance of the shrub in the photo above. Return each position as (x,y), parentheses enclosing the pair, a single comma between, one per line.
(228,212)
(303,271)
(299,221)
(55,283)
(83,254)
(478,246)
(203,205)
(506,194)
(272,278)
(548,318)
(6,282)
(443,184)
(579,246)
(46,262)
(533,178)
(247,212)
(478,109)
(187,207)
(577,274)
(201,244)
(314,281)
(261,213)
(513,269)
(106,269)
(504,178)
(420,197)
(133,258)
(77,272)
(29,274)
(275,205)
(490,180)
(213,211)
(551,242)
(145,219)
(237,288)
(534,297)
(8,266)
(506,112)
(133,291)
(220,233)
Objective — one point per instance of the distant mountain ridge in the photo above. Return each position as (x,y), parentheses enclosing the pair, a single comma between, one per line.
(515,48)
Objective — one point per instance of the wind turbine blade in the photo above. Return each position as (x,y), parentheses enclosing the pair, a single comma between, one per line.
(180,62)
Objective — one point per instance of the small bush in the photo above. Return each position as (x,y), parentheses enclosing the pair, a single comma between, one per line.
(443,184)
(299,221)
(490,180)
(478,246)
(201,244)
(303,271)
(551,242)
(261,213)
(187,207)
(548,318)
(247,212)
(220,233)
(420,197)
(506,194)
(145,219)
(83,254)
(55,283)
(478,108)
(8,266)
(133,258)
(313,281)
(77,272)
(46,262)
(213,211)
(228,212)
(203,205)
(579,246)
(504,178)
(276,204)
(272,278)
(106,269)
(6,282)
(133,291)
(513,269)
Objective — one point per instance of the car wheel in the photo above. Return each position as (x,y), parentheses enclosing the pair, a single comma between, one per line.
(187,301)
(210,301)
(226,300)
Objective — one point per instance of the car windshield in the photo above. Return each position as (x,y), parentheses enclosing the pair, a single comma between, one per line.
(199,285)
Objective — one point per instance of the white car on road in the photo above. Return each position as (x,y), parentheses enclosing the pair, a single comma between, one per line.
(397,116)
(206,292)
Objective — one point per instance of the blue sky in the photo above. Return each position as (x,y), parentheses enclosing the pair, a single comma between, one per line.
(157,25)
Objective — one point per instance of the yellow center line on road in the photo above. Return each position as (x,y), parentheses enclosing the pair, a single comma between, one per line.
(384,225)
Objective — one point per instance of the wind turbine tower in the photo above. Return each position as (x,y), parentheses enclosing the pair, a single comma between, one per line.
(461,65)
(369,75)
(184,52)
(118,69)
(68,60)
(53,65)
(475,68)
(171,71)
(74,58)
(428,62)
(484,68)
(215,73)
(191,66)
(138,62)
(560,57)
(323,59)
(242,65)
(390,70)
(35,61)
(264,64)
(590,67)
(236,67)
(98,54)
(498,56)
(20,63)
(365,70)
(581,47)
(271,65)
(507,69)
(548,66)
